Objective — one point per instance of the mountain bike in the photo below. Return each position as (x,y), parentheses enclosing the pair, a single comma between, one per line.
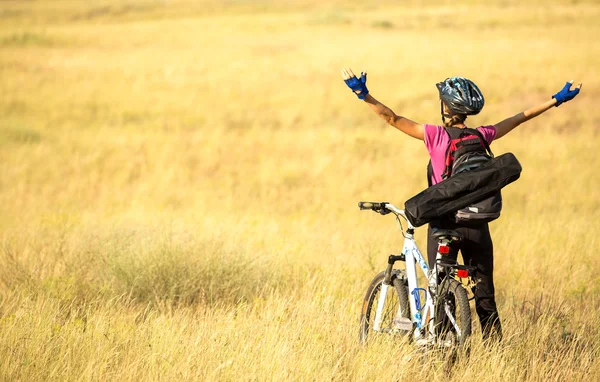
(436,315)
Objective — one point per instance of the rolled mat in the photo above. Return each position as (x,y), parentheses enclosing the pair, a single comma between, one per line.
(462,190)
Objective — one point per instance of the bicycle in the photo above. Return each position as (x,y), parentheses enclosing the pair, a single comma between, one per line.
(393,304)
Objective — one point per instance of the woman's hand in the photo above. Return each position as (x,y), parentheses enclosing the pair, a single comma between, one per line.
(358,85)
(566,94)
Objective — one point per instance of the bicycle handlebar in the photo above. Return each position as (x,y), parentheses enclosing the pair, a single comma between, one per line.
(383,208)
(371,206)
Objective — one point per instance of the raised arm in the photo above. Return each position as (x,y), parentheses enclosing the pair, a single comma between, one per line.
(403,124)
(358,86)
(506,126)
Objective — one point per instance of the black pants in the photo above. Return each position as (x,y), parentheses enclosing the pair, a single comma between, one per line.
(477,250)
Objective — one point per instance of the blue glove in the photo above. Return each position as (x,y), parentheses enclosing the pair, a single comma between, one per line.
(565,94)
(358,85)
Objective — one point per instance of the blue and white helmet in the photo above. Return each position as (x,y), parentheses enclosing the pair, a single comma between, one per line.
(461,95)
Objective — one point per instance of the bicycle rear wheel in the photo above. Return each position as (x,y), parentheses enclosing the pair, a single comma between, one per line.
(396,307)
(453,314)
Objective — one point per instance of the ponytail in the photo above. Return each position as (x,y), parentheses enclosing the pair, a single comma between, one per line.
(455,119)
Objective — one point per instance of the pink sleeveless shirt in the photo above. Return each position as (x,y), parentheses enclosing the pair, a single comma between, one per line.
(437,141)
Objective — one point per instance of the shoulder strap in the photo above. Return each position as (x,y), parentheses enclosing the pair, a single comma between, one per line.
(485,144)
(429,174)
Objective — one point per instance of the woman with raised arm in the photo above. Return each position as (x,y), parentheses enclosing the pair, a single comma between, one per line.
(460,97)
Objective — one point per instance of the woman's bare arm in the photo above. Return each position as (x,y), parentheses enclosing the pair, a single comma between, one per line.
(359,87)
(506,126)
(403,124)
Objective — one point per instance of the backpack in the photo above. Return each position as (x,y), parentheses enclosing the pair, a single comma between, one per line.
(468,150)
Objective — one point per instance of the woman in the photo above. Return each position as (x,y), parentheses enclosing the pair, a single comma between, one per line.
(459,98)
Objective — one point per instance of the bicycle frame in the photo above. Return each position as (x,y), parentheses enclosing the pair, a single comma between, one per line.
(422,316)
(413,256)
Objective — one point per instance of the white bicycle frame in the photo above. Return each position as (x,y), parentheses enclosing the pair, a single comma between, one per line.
(422,318)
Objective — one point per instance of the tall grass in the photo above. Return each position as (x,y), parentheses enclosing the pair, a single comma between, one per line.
(179,183)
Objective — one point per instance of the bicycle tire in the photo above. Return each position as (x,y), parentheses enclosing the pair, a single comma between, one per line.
(453,296)
(397,297)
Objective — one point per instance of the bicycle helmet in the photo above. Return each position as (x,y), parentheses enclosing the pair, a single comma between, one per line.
(461,96)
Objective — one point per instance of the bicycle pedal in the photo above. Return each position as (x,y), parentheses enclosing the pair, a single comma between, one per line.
(403,323)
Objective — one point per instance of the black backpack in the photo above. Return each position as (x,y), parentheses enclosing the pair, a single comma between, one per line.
(468,150)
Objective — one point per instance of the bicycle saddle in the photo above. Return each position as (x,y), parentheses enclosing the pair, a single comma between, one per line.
(447,234)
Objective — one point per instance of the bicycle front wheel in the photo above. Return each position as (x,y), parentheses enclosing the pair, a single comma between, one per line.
(453,314)
(395,317)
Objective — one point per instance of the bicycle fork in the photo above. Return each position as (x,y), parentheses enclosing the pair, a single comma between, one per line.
(385,285)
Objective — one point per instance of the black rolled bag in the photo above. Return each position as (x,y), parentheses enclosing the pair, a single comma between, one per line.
(462,190)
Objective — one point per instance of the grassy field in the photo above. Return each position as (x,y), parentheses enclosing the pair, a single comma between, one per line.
(179,183)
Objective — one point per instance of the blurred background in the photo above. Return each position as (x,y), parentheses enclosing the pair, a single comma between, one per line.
(180,179)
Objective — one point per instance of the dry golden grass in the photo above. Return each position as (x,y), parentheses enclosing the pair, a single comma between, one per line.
(179,183)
